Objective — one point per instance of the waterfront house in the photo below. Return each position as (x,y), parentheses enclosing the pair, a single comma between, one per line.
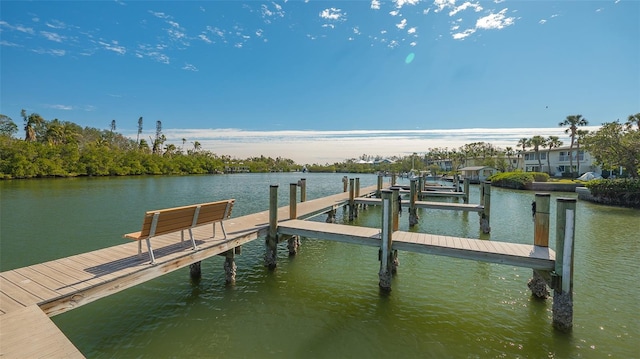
(477,174)
(559,161)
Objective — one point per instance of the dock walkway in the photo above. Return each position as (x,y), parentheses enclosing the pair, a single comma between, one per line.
(29,294)
(60,285)
(515,254)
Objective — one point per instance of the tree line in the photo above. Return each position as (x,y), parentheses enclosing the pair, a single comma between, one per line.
(62,148)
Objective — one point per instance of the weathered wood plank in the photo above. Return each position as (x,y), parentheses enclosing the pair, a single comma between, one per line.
(27,284)
(29,333)
(8,304)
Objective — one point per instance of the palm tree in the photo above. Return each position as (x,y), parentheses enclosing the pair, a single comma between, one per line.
(196,146)
(524,142)
(31,122)
(184,140)
(633,119)
(580,135)
(139,129)
(552,142)
(573,121)
(508,151)
(536,142)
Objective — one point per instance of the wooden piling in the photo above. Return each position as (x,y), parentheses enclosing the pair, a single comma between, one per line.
(541,220)
(396,206)
(293,200)
(357,186)
(345,183)
(420,187)
(195,271)
(466,189)
(272,236)
(485,216)
(413,211)
(538,282)
(230,267)
(379,189)
(563,285)
(393,179)
(352,202)
(303,190)
(386,260)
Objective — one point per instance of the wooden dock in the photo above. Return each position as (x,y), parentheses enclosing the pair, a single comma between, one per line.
(425,204)
(28,295)
(514,254)
(60,285)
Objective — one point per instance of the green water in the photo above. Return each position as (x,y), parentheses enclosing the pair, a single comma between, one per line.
(325,302)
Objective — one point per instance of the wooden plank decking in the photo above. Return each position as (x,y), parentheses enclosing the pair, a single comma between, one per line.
(424,204)
(29,294)
(515,254)
(37,337)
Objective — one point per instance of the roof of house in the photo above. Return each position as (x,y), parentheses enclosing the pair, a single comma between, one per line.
(476,168)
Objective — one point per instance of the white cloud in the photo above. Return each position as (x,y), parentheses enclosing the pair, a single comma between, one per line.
(160,15)
(401,3)
(52,36)
(7,43)
(113,46)
(462,35)
(26,30)
(394,13)
(412,30)
(356,30)
(204,38)
(259,32)
(402,24)
(61,107)
(375,4)
(54,52)
(542,21)
(336,146)
(495,21)
(442,4)
(333,14)
(56,24)
(173,23)
(475,6)
(413,43)
(190,67)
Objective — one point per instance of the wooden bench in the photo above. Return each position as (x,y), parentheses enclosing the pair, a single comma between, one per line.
(170,220)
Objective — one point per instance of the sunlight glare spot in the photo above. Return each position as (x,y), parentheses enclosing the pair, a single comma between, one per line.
(409,58)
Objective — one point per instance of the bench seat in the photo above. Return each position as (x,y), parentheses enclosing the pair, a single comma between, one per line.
(179,219)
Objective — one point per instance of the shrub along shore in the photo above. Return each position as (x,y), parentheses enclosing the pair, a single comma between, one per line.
(619,192)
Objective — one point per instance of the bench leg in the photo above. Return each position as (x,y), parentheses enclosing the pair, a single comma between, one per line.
(223,230)
(139,248)
(153,259)
(193,241)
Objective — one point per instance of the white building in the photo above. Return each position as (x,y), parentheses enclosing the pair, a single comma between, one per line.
(559,161)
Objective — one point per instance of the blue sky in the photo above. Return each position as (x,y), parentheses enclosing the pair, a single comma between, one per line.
(270,77)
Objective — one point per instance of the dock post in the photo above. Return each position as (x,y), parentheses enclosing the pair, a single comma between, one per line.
(230,266)
(303,190)
(345,183)
(413,211)
(294,241)
(465,184)
(357,186)
(485,216)
(393,179)
(331,216)
(379,189)
(386,260)
(540,209)
(396,205)
(272,237)
(563,285)
(195,271)
(420,187)
(351,200)
(293,200)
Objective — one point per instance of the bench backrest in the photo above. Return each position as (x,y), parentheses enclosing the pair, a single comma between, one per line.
(179,218)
